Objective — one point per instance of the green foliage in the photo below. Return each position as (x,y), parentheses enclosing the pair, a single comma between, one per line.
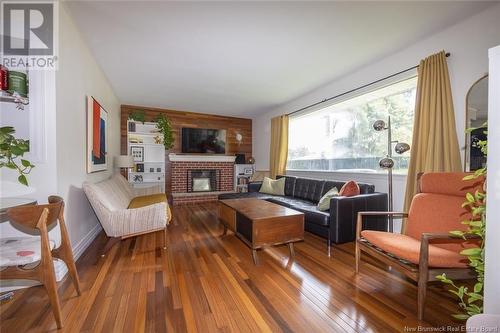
(137,115)
(164,125)
(471,302)
(10,150)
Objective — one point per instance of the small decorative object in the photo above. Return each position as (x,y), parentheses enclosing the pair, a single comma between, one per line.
(163,124)
(248,171)
(137,115)
(240,159)
(151,169)
(97,135)
(131,127)
(4,78)
(140,167)
(251,160)
(158,169)
(239,138)
(158,140)
(135,140)
(138,178)
(18,83)
(387,162)
(137,153)
(11,149)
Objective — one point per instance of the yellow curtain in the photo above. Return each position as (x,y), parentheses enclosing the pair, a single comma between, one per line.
(279,146)
(435,144)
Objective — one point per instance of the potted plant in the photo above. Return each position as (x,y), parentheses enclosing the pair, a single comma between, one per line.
(471,301)
(165,126)
(12,150)
(137,115)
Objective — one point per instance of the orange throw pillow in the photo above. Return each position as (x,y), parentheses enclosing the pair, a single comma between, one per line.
(350,189)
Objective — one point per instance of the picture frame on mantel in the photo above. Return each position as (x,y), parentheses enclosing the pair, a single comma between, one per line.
(97,140)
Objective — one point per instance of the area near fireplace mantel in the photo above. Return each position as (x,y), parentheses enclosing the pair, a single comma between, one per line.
(174,159)
(188,170)
(200,158)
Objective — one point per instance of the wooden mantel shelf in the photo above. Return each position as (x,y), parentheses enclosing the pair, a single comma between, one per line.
(200,158)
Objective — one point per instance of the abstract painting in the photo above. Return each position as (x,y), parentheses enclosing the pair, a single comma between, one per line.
(97,122)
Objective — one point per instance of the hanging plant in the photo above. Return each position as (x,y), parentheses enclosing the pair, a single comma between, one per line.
(137,115)
(12,149)
(164,125)
(471,301)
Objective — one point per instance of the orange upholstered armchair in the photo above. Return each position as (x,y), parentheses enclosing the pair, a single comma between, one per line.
(425,249)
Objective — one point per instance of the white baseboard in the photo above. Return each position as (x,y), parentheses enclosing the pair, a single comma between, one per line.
(85,242)
(59,266)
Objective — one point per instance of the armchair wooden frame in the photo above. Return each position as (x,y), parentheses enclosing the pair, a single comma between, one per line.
(421,273)
(41,217)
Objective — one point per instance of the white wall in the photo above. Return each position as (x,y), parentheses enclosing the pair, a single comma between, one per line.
(79,76)
(492,273)
(57,130)
(468,42)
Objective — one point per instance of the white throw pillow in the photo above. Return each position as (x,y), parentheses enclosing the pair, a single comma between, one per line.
(324,202)
(275,187)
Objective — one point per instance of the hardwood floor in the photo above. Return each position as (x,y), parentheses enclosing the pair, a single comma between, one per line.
(206,283)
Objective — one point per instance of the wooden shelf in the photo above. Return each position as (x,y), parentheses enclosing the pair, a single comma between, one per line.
(8,98)
(145,144)
(143,134)
(143,173)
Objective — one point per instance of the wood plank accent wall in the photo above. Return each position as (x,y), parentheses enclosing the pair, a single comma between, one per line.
(181,119)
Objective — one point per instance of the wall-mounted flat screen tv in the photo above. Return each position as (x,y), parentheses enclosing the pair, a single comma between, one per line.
(203,141)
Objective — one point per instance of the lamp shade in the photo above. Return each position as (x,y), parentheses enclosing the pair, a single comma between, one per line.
(402,147)
(124,161)
(379,125)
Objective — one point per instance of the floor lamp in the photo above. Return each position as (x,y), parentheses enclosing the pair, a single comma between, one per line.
(387,163)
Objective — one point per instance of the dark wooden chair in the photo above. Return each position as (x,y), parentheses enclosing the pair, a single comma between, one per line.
(425,249)
(19,254)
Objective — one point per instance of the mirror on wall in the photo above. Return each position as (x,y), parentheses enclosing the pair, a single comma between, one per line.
(476,114)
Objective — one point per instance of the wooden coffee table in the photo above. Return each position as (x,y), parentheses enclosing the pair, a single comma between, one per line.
(259,223)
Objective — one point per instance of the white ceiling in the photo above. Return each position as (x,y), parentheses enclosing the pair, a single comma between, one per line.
(243,58)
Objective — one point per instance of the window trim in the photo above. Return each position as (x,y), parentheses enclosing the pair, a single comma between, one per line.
(372,87)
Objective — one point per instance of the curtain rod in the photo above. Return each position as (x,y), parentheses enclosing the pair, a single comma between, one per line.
(358,88)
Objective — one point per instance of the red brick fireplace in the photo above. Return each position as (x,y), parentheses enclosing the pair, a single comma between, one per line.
(214,172)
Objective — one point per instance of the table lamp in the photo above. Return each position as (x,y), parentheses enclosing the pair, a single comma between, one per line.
(124,162)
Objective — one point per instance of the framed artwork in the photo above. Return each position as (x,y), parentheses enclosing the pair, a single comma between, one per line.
(97,140)
(137,152)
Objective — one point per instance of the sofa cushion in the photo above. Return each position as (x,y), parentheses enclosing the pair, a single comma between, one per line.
(350,189)
(148,200)
(408,248)
(311,213)
(114,193)
(244,195)
(324,202)
(438,213)
(363,187)
(289,184)
(288,201)
(274,187)
(309,189)
(17,251)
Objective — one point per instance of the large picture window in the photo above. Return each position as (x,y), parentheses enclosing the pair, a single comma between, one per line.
(340,137)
